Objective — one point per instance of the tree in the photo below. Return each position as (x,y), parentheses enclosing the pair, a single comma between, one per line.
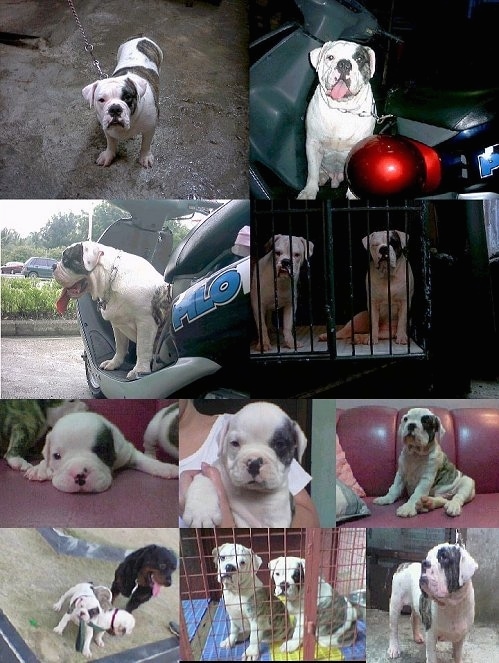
(10,237)
(62,229)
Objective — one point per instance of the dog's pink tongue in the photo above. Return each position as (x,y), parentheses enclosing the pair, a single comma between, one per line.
(339,90)
(63,301)
(155,588)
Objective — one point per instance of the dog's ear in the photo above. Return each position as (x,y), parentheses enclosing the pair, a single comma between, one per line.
(372,59)
(301,441)
(404,237)
(315,55)
(270,243)
(364,241)
(440,427)
(88,93)
(310,248)
(91,255)
(273,563)
(467,567)
(257,561)
(215,555)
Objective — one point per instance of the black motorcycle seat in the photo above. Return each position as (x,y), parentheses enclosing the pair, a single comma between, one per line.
(456,110)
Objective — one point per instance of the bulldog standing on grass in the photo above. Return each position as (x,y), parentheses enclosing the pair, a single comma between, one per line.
(127,104)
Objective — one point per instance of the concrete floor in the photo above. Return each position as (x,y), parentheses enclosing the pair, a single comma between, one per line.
(50,138)
(482,644)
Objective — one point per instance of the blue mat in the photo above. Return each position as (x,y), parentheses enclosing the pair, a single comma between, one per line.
(193,614)
(218,632)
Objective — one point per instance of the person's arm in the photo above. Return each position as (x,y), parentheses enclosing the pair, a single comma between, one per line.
(305,512)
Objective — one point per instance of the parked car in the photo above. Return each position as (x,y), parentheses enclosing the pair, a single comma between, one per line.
(12,267)
(39,267)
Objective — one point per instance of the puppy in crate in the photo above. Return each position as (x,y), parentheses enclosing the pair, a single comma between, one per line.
(336,615)
(252,609)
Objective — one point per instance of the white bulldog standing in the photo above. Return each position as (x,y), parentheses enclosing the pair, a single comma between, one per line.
(341,112)
(127,103)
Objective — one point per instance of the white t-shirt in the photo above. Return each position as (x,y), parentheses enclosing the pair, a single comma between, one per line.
(208,453)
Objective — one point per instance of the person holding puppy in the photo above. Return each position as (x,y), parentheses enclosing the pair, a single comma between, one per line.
(199,443)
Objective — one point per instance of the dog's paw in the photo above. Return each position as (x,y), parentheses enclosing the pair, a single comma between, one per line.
(109,365)
(453,508)
(401,339)
(38,473)
(105,158)
(393,651)
(57,606)
(58,630)
(198,518)
(228,643)
(252,653)
(18,463)
(308,193)
(146,160)
(289,646)
(406,511)
(383,500)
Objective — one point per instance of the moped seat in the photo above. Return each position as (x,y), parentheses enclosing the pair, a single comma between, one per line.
(455,110)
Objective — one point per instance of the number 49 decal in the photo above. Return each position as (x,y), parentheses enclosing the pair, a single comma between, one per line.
(488,161)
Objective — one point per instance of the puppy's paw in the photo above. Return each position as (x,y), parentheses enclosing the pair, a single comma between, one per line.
(146,160)
(252,653)
(110,365)
(58,630)
(87,653)
(105,158)
(383,500)
(289,343)
(406,511)
(228,643)
(401,339)
(289,646)
(308,193)
(453,508)
(202,519)
(57,606)
(38,473)
(18,463)
(393,651)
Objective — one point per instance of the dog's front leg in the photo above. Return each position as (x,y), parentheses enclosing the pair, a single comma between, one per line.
(231,640)
(202,508)
(457,651)
(394,492)
(401,336)
(121,342)
(413,504)
(89,631)
(62,624)
(146,333)
(146,157)
(314,159)
(431,646)
(252,652)
(40,472)
(106,157)
(296,639)
(287,328)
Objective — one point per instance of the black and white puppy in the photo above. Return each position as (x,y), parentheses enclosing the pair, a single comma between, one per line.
(84,608)
(336,616)
(83,449)
(424,470)
(440,593)
(127,103)
(255,454)
(130,293)
(253,611)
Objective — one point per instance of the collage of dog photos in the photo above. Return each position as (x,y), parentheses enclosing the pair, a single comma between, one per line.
(247,246)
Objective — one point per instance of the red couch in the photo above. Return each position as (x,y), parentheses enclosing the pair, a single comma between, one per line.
(368,436)
(135,499)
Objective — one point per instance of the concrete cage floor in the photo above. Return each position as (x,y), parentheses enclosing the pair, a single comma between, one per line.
(51,138)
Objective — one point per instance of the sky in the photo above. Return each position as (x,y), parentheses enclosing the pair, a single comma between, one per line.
(26,216)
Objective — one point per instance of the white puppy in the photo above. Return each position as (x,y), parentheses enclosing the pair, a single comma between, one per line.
(336,616)
(277,275)
(83,449)
(162,431)
(255,454)
(424,470)
(85,608)
(130,293)
(252,609)
(127,104)
(440,593)
(341,112)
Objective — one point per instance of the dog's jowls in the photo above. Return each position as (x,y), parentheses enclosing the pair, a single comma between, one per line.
(341,112)
(276,278)
(424,471)
(440,593)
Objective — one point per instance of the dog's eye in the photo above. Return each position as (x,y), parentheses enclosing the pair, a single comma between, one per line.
(405,418)
(222,558)
(235,444)
(101,100)
(56,456)
(242,563)
(277,574)
(329,57)
(278,253)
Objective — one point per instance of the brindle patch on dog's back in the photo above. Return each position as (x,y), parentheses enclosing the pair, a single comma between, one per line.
(151,51)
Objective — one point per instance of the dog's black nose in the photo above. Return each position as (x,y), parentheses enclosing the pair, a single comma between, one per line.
(230,568)
(344,66)
(425,564)
(254,466)
(80,479)
(411,427)
(286,262)
(283,585)
(115,110)
(383,250)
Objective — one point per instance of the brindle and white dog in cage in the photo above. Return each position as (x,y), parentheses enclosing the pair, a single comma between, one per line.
(390,287)
(278,273)
(336,616)
(253,610)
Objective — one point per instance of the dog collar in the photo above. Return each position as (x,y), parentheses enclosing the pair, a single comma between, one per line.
(115,612)
(102,302)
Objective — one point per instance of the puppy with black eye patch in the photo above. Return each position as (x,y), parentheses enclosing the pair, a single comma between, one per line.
(83,449)
(254,458)
(424,470)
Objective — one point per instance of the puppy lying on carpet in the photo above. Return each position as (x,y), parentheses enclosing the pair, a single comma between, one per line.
(83,449)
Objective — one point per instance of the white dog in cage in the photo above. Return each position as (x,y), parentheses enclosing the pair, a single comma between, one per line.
(253,611)
(336,617)
(278,273)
